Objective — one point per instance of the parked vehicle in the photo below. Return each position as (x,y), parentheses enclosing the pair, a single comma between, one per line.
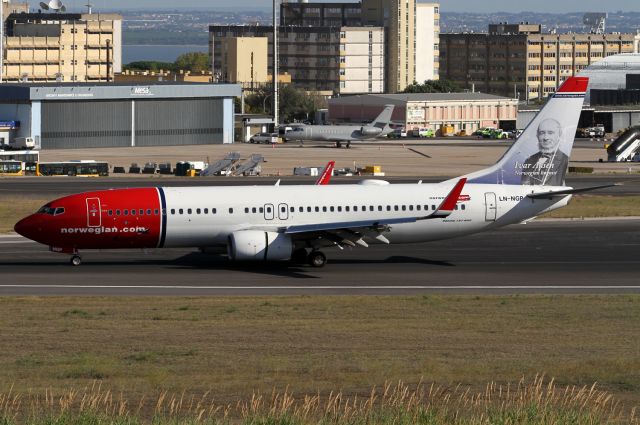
(398,133)
(264,138)
(423,132)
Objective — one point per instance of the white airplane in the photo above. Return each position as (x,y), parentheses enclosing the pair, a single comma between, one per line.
(294,223)
(344,133)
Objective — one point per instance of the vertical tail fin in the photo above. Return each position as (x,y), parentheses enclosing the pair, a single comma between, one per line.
(325,177)
(384,118)
(540,156)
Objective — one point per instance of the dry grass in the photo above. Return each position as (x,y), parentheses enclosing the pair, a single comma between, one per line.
(234,346)
(13,208)
(526,402)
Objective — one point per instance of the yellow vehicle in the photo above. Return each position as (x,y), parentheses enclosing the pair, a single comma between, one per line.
(73,168)
(12,168)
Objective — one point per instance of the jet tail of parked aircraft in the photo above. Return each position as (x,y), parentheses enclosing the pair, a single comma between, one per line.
(384,119)
(540,156)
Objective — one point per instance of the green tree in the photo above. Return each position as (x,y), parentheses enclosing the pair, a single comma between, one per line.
(149,66)
(294,104)
(433,86)
(193,61)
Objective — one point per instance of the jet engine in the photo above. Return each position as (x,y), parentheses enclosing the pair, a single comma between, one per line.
(257,245)
(370,131)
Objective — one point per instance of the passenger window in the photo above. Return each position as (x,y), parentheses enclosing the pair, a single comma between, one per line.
(292,209)
(230,210)
(301,209)
(173,211)
(126,212)
(339,209)
(395,208)
(388,207)
(331,209)
(117,212)
(346,208)
(149,212)
(379,207)
(110,213)
(364,208)
(455,208)
(261,210)
(213,211)
(206,210)
(181,211)
(141,212)
(410,207)
(133,212)
(433,207)
(404,208)
(463,206)
(198,210)
(269,210)
(419,207)
(254,210)
(324,209)
(189,211)
(246,210)
(155,212)
(355,208)
(426,207)
(370,207)
(317,209)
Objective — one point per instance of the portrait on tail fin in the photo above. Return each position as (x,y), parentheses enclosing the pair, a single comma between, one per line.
(549,165)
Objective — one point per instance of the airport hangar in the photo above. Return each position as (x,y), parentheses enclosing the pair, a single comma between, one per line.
(67,116)
(458,111)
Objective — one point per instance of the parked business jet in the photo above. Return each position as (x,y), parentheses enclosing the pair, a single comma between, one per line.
(344,133)
(293,223)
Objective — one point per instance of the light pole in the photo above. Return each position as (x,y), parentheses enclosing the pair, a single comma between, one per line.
(275,64)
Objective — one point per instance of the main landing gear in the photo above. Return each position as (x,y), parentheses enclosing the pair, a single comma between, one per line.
(313,258)
(339,144)
(75,260)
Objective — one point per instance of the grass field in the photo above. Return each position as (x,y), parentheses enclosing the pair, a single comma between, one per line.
(14,208)
(230,348)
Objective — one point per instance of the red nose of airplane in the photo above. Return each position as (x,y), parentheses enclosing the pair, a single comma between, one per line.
(28,227)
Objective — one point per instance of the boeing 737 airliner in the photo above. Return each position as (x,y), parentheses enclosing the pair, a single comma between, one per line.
(293,223)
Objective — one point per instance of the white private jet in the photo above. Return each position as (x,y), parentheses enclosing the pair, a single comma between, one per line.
(294,223)
(344,133)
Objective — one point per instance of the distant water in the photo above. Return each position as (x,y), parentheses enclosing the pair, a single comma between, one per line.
(133,53)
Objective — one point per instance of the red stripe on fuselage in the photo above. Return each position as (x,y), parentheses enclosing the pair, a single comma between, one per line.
(129,218)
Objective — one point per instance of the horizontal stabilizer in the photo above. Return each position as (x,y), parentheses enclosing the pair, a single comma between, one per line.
(559,193)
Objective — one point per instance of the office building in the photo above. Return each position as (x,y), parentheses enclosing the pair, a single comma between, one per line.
(427,42)
(398,18)
(332,60)
(519,60)
(62,47)
(436,111)
(320,14)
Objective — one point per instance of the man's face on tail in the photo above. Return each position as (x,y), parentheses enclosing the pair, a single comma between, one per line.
(549,133)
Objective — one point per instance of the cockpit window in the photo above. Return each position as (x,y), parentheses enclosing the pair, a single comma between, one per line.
(49,210)
(59,211)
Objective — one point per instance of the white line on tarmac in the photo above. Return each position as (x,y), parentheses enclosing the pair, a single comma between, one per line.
(368,287)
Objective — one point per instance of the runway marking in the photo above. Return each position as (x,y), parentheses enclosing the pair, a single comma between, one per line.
(324,287)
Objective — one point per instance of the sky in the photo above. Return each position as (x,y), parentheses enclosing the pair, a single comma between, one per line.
(555,6)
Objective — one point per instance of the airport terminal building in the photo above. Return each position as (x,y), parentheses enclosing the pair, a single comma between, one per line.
(68,116)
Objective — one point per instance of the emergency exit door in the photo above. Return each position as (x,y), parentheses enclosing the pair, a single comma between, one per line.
(491,206)
(94,215)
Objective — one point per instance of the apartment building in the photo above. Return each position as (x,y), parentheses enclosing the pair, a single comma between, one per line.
(243,60)
(320,14)
(427,42)
(519,60)
(398,17)
(55,47)
(335,60)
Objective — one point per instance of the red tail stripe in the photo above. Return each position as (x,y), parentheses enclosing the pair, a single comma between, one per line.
(574,85)
(452,199)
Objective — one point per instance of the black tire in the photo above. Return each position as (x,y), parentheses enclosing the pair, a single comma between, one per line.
(76,260)
(317,259)
(348,145)
(299,256)
(338,145)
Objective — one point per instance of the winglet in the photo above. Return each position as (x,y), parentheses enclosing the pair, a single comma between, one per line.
(449,204)
(326,174)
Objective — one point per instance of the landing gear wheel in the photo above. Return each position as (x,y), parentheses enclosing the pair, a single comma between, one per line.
(76,260)
(299,256)
(338,145)
(348,145)
(317,259)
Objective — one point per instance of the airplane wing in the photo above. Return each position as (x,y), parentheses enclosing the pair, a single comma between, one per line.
(352,233)
(560,193)
(326,174)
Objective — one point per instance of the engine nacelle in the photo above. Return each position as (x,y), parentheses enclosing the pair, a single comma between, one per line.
(257,245)
(370,131)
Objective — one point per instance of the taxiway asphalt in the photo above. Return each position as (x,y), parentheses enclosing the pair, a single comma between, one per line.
(591,256)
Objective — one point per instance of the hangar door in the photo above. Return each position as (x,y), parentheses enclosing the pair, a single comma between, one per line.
(178,122)
(91,124)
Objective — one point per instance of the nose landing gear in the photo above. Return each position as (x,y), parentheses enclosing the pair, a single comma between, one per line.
(75,260)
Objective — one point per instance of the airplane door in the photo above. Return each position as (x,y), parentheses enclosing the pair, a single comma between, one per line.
(94,214)
(283,212)
(491,206)
(268,212)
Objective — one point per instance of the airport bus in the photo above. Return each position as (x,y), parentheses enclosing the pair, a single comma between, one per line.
(12,168)
(29,159)
(73,168)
